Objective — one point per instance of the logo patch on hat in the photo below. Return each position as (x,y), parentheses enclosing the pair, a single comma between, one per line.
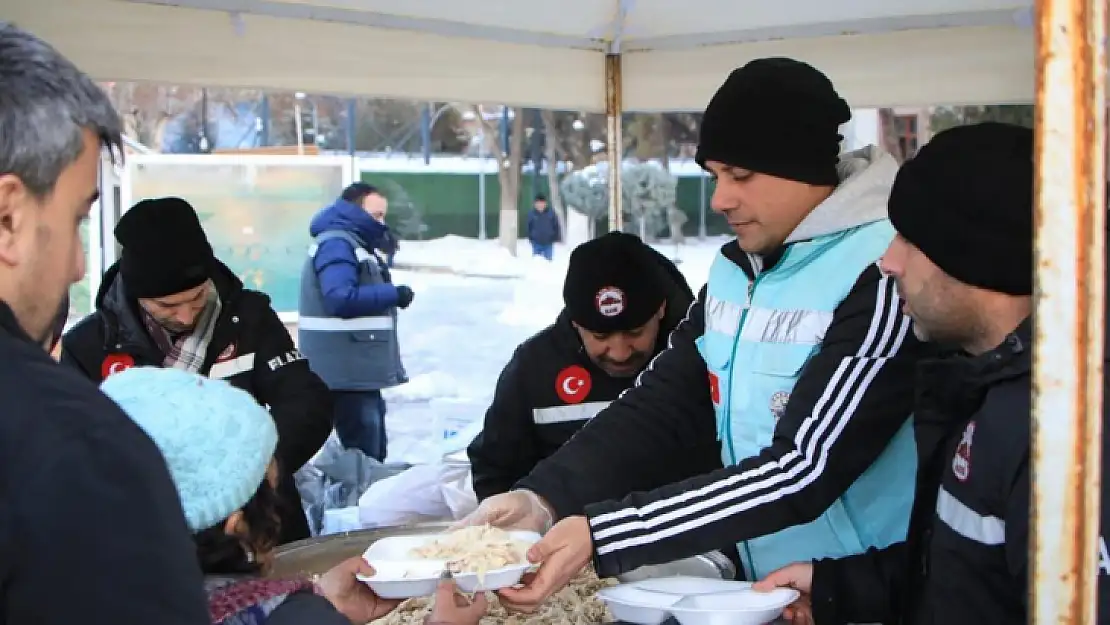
(115,363)
(609,301)
(778,403)
(573,384)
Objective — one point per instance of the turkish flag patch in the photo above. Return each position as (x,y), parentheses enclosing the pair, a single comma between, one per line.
(715,388)
(115,363)
(573,384)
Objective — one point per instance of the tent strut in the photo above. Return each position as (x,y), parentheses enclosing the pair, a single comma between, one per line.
(1069,219)
(615,138)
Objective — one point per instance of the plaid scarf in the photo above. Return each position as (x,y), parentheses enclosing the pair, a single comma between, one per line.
(187,350)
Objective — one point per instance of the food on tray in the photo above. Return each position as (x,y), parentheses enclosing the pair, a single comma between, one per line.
(475,549)
(577,604)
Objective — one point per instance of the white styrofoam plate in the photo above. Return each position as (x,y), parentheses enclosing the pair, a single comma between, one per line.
(744,607)
(398,575)
(640,607)
(684,585)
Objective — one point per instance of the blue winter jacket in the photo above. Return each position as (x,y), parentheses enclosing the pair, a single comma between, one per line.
(338,268)
(543,227)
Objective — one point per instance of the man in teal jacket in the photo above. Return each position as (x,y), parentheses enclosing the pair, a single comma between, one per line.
(796,357)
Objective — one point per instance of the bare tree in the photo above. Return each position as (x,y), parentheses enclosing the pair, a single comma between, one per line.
(508,172)
(549,156)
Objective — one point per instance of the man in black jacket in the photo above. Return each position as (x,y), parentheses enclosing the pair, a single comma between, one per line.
(91,527)
(963,208)
(622,299)
(169,302)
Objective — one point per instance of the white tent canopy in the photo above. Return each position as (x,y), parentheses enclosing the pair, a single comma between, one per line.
(548,53)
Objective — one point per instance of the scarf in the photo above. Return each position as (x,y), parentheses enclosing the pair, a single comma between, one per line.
(187,350)
(248,600)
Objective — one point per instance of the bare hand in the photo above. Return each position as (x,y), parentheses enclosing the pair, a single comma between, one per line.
(453,608)
(563,552)
(351,597)
(798,576)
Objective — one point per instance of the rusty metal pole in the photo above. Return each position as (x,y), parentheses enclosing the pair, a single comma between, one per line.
(1069,218)
(615,138)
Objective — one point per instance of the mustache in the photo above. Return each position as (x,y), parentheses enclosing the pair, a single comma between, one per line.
(633,359)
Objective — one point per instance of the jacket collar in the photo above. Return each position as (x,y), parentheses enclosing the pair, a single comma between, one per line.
(10,325)
(955,386)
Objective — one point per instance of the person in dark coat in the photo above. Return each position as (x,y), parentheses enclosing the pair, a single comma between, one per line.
(963,209)
(622,300)
(169,302)
(92,528)
(543,228)
(348,315)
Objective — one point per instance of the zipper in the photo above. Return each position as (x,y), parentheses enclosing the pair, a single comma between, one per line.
(727,435)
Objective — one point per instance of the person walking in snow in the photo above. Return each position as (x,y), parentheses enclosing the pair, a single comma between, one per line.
(543,228)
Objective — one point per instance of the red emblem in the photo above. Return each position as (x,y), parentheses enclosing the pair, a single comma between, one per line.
(961,462)
(609,301)
(714,388)
(227,354)
(114,363)
(573,384)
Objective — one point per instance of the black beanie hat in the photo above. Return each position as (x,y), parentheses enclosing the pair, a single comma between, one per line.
(966,201)
(165,250)
(779,117)
(613,284)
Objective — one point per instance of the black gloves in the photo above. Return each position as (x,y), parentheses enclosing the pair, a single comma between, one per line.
(404,296)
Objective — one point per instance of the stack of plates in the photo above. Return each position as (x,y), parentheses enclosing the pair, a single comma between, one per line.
(695,601)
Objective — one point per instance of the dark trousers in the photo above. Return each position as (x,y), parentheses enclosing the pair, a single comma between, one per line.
(360,421)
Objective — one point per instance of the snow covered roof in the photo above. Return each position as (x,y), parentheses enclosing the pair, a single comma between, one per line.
(548,53)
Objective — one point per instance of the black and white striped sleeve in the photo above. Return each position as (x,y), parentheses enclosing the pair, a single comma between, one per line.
(852,397)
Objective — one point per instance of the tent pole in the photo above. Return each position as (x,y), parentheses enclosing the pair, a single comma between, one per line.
(614,138)
(1069,219)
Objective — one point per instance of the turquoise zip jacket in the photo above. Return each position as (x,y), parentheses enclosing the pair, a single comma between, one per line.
(798,368)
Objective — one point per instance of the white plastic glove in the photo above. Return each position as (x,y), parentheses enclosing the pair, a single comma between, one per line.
(514,510)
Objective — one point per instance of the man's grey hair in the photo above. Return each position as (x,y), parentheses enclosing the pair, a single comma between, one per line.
(46,104)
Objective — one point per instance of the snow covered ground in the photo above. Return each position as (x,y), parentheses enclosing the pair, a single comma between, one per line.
(461,330)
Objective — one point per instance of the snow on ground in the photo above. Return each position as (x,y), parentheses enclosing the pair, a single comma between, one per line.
(461,330)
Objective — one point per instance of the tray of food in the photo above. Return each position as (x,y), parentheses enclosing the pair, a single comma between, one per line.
(576,604)
(480,557)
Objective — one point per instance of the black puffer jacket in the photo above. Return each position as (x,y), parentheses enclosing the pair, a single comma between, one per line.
(532,414)
(250,348)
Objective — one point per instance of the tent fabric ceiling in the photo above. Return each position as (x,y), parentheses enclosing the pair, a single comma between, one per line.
(549,54)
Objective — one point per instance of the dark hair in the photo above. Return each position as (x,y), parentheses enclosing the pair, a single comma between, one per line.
(540,198)
(220,553)
(358,191)
(46,105)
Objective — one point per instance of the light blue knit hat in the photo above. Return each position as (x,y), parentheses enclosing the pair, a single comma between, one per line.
(217,440)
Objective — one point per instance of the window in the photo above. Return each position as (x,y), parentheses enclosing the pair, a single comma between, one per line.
(905,128)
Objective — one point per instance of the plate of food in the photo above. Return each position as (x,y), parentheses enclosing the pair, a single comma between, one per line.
(480,558)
